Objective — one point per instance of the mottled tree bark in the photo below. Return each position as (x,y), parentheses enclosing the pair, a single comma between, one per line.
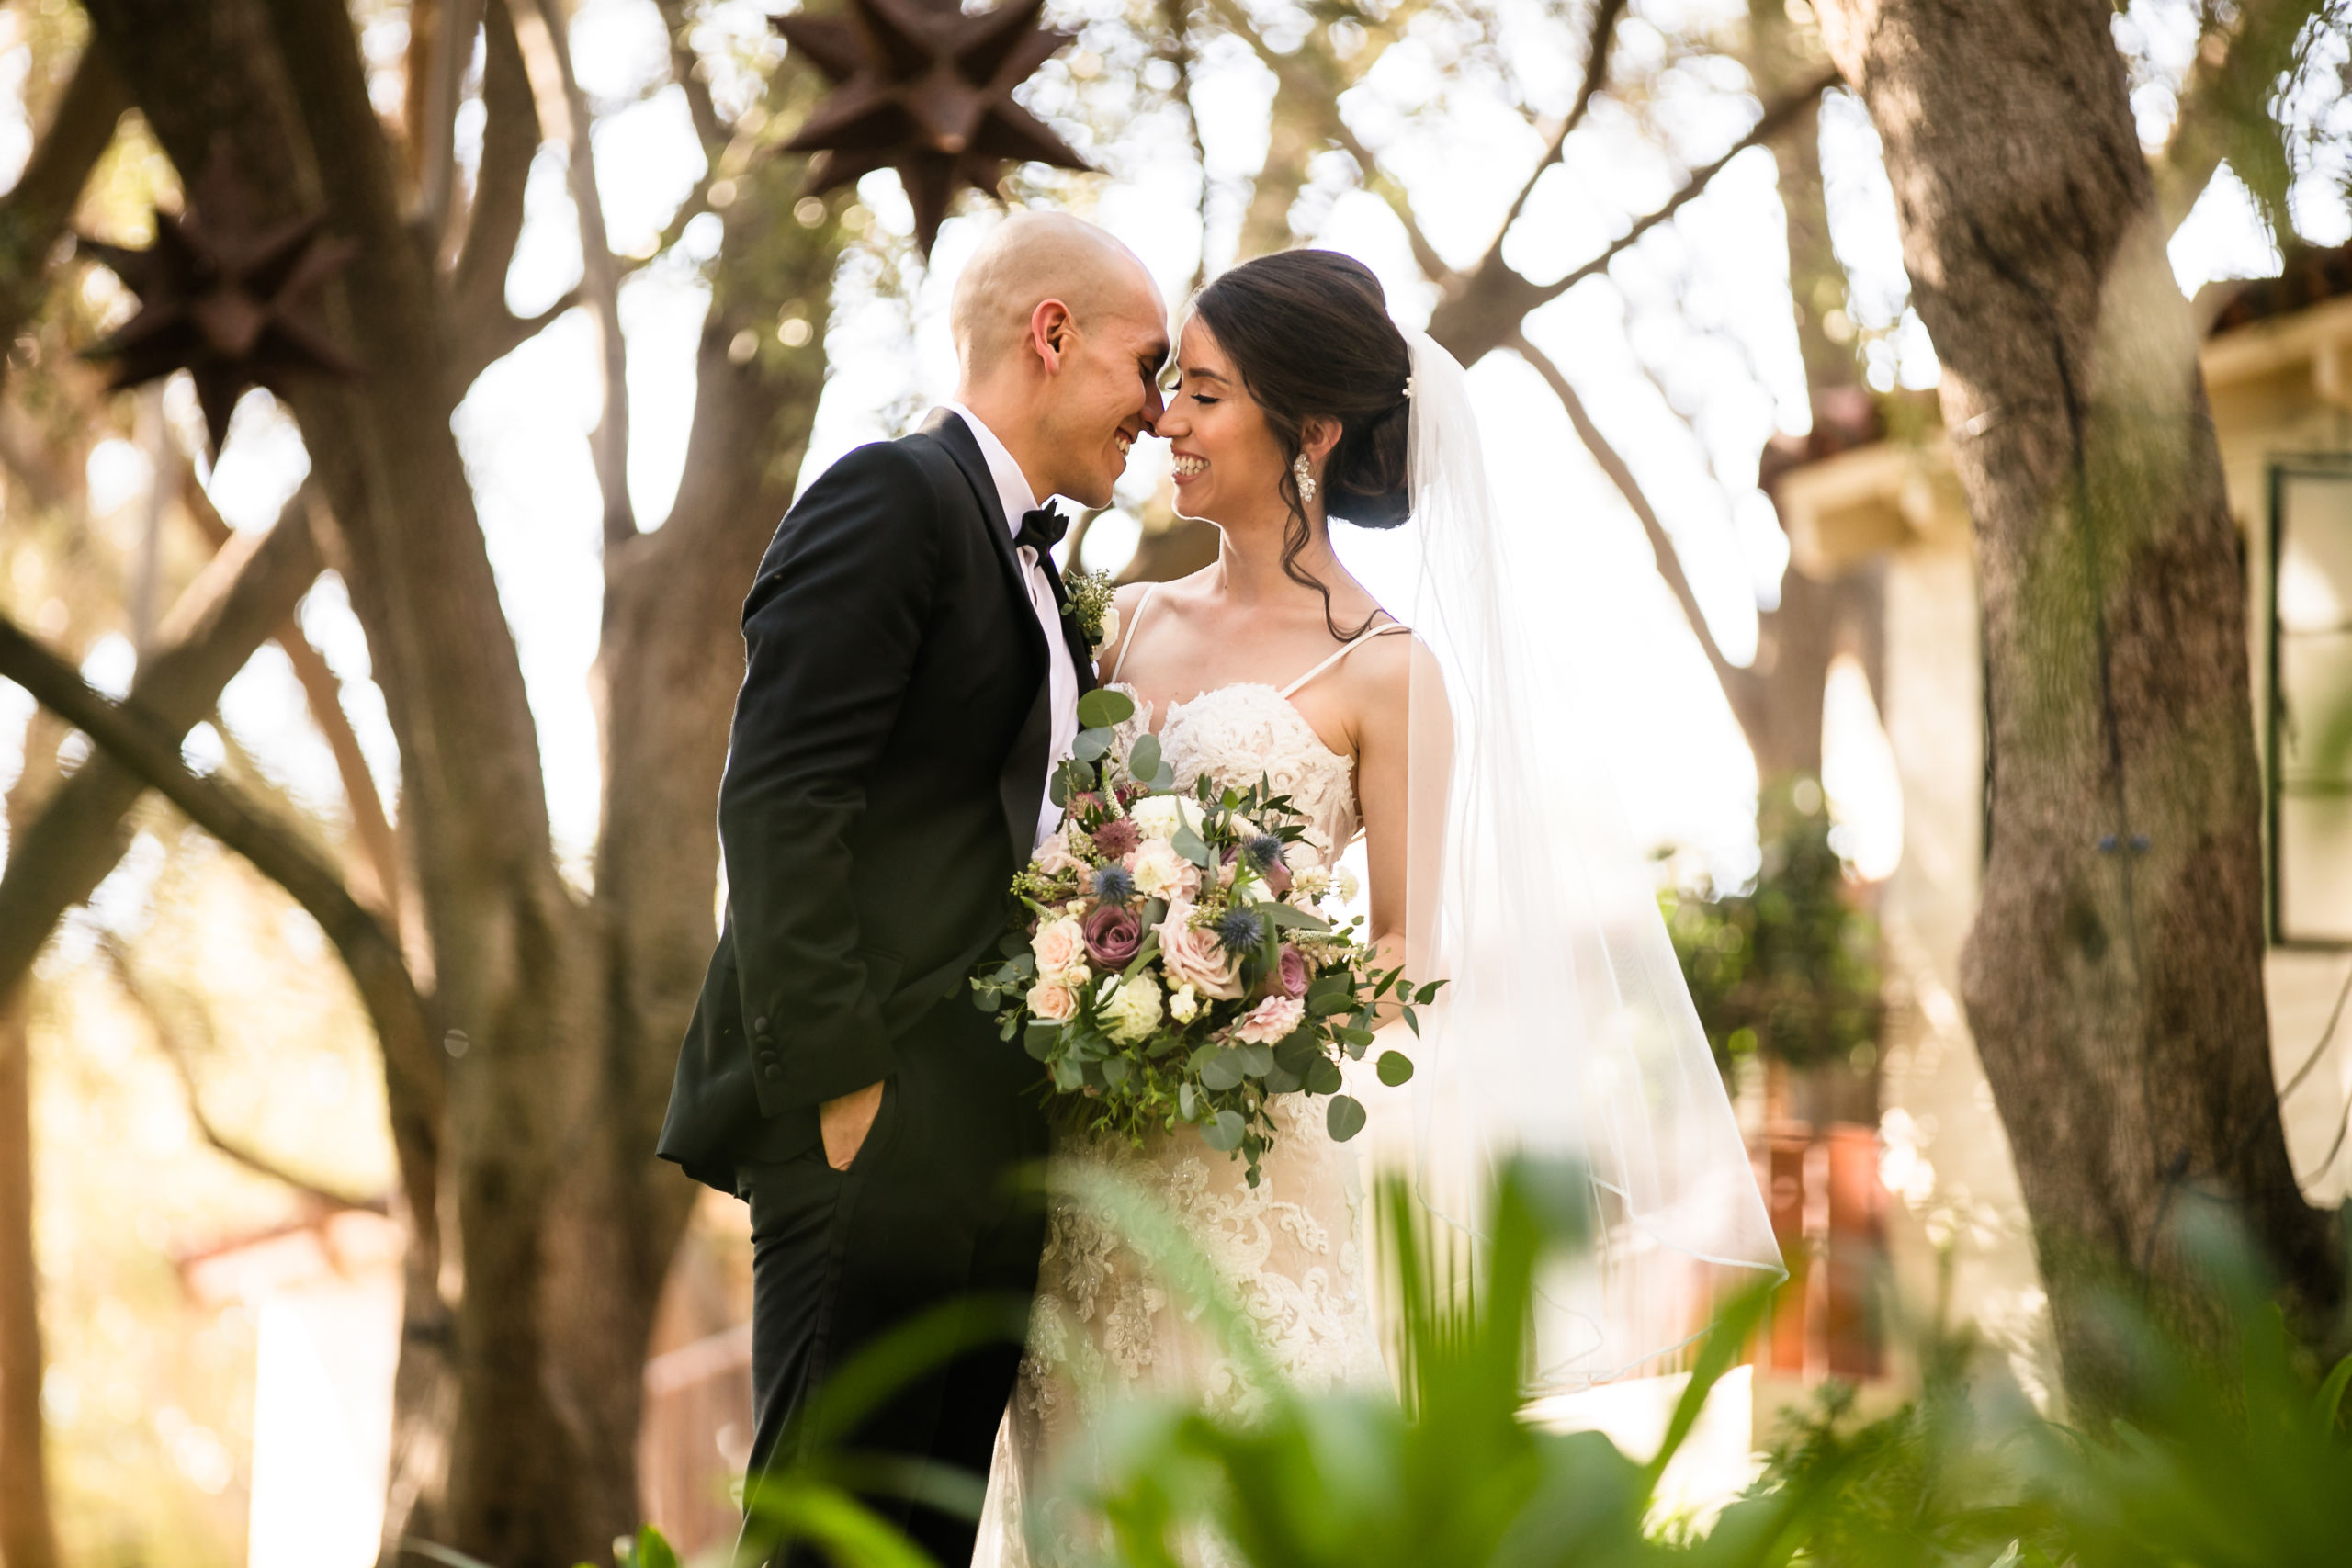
(2113,978)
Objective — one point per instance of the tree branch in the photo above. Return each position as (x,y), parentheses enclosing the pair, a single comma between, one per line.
(247,592)
(1733,678)
(685,69)
(34,213)
(1600,40)
(1483,309)
(323,692)
(546,54)
(175,1052)
(1290,73)
(2225,108)
(135,739)
(452,51)
(510,140)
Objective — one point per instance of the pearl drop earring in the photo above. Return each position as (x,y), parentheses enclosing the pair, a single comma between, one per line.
(1305,478)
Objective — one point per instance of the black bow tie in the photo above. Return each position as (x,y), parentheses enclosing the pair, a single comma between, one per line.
(1041,530)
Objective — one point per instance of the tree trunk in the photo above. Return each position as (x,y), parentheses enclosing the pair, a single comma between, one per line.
(2113,978)
(27,1534)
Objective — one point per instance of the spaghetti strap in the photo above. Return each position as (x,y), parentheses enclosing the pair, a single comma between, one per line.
(1128,641)
(1345,650)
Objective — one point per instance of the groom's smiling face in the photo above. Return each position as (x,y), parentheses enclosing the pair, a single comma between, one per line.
(1105,391)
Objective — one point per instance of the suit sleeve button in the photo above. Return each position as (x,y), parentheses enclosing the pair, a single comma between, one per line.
(758,1026)
(770,1071)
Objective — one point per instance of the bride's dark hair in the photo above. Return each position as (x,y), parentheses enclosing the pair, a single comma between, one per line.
(1309,334)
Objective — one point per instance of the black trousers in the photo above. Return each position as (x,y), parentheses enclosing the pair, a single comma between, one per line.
(937,1207)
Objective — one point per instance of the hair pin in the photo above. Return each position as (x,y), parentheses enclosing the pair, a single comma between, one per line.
(1409,386)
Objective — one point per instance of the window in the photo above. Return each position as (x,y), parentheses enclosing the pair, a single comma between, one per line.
(2309,730)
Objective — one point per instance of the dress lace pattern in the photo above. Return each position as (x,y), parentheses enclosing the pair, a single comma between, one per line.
(1289,1251)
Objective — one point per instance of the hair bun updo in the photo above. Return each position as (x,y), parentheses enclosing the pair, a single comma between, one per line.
(1308,331)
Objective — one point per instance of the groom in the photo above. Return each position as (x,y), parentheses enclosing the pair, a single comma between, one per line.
(910,679)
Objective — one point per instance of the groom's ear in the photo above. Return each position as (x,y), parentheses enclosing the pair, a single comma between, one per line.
(1052,334)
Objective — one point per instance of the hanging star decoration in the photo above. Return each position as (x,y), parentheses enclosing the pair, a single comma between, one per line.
(927,90)
(224,294)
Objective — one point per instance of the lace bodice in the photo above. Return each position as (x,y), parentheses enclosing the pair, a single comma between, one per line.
(1237,734)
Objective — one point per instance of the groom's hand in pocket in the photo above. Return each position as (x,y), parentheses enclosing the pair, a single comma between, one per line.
(844,1122)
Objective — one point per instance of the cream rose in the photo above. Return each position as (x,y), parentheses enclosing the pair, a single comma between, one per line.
(1158,815)
(1161,873)
(1197,958)
(1060,948)
(1052,1001)
(1133,1010)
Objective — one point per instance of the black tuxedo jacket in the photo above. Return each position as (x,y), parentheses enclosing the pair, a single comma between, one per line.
(883,775)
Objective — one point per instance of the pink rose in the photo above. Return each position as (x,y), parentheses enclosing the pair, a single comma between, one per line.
(1060,947)
(1052,1001)
(1197,958)
(1270,1020)
(1290,972)
(1113,935)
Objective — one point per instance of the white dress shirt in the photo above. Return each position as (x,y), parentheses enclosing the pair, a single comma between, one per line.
(1061,669)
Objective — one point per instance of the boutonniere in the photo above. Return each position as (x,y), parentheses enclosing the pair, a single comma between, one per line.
(1092,607)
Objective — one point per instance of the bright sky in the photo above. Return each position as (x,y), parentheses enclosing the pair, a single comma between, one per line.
(1682,768)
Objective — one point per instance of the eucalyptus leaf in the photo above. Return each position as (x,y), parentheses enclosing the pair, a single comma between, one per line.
(1103,707)
(1081,775)
(1190,845)
(1337,1002)
(1345,1119)
(1188,1102)
(1256,1060)
(1395,1067)
(1143,757)
(1041,1039)
(1299,919)
(1165,779)
(1091,744)
(1282,1081)
(1068,1077)
(1058,788)
(1223,1132)
(1356,1037)
(1323,1077)
(1115,1069)
(1014,945)
(1222,1071)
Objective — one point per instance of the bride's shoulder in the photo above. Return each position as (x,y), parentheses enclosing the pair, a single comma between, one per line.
(1379,672)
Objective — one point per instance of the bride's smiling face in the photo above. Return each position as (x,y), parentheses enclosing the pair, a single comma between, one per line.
(1228,464)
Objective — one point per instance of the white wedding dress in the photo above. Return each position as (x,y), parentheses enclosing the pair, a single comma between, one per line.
(1289,1252)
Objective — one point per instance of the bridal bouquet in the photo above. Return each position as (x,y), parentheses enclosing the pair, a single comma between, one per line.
(1173,958)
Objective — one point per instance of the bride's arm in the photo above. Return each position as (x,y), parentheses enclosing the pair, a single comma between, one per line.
(1379,677)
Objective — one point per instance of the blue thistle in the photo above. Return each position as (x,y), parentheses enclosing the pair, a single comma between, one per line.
(1114,885)
(1240,931)
(1264,851)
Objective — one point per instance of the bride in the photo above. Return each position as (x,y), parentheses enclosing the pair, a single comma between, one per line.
(1486,833)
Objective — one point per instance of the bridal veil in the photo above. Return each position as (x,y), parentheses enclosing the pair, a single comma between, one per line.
(1565,1029)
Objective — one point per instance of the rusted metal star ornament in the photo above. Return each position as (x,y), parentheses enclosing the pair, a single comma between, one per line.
(225,296)
(926,90)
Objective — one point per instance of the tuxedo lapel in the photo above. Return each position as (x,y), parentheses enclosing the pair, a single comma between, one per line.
(1021,785)
(950,432)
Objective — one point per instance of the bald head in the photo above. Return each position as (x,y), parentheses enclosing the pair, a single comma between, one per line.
(1033,257)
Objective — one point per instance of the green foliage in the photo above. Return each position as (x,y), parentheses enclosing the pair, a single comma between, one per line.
(1787,967)
(1450,1475)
